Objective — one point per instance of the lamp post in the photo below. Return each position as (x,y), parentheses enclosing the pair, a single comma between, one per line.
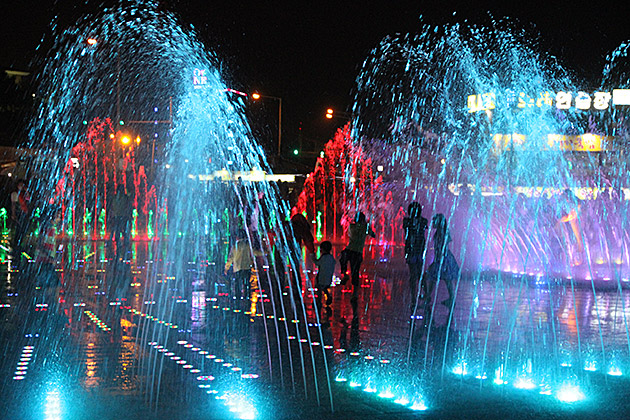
(256,96)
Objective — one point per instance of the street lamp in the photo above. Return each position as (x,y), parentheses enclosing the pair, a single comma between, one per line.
(331,113)
(256,96)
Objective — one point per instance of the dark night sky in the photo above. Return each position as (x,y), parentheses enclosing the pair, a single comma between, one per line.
(309,52)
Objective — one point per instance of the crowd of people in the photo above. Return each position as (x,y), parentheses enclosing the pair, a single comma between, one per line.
(347,264)
(241,259)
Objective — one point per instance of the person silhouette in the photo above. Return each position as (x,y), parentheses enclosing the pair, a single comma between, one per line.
(415,227)
(444,266)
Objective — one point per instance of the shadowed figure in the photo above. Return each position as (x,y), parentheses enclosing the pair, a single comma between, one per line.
(353,253)
(415,227)
(444,266)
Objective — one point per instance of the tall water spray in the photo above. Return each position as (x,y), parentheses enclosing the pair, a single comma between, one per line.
(130,98)
(526,163)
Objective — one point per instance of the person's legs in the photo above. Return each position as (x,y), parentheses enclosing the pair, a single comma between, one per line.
(19,236)
(319,298)
(355,268)
(328,292)
(343,262)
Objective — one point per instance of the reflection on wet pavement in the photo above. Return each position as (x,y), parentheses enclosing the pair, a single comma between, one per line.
(108,343)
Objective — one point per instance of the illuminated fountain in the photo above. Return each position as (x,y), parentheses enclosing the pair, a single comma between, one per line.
(109,80)
(529,167)
(526,165)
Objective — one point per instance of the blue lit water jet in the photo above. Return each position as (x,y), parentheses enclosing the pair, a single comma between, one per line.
(147,76)
(476,123)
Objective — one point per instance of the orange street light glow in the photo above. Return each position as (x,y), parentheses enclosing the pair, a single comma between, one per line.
(125,140)
(92,41)
(256,95)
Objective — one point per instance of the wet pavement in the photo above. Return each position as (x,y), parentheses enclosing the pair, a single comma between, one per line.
(129,340)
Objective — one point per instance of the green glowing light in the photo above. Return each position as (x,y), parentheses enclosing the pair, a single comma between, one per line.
(134,224)
(150,232)
(319,234)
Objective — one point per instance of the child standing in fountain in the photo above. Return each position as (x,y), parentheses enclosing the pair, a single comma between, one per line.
(325,269)
(241,259)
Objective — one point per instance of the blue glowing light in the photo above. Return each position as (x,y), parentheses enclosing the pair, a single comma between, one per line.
(386,394)
(524,383)
(614,371)
(418,405)
(402,401)
(570,394)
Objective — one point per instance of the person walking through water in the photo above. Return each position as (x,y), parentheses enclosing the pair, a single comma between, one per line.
(241,259)
(353,253)
(444,266)
(20,213)
(415,227)
(325,269)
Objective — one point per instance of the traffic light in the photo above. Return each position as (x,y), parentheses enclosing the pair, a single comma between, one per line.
(329,113)
(296,152)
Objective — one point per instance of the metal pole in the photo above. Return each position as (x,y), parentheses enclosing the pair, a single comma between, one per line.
(117,124)
(279,125)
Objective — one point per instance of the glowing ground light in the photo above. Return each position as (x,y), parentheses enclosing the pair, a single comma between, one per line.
(250,376)
(499,381)
(524,383)
(402,401)
(369,389)
(354,384)
(97,321)
(460,369)
(386,394)
(239,405)
(590,366)
(570,394)
(418,405)
(614,371)
(52,409)
(22,365)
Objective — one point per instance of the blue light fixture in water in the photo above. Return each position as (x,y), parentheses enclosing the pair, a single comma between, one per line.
(524,383)
(418,405)
(614,371)
(570,394)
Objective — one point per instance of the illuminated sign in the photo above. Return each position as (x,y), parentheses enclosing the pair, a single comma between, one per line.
(199,78)
(555,142)
(621,96)
(581,100)
(251,176)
